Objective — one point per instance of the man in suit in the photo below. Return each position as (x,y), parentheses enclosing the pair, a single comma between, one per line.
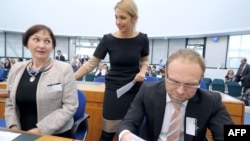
(155,103)
(60,56)
(243,71)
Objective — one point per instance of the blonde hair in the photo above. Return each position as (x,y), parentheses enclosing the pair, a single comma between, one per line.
(129,6)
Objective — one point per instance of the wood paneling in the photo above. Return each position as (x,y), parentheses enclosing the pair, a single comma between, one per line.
(235,108)
(3,96)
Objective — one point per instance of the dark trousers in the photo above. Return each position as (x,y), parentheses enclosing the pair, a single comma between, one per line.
(105,136)
(64,134)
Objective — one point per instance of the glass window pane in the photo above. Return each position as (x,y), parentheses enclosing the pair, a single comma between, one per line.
(199,41)
(238,48)
(2,48)
(13,45)
(62,43)
(197,45)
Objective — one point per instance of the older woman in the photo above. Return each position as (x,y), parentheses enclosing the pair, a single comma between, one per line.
(42,91)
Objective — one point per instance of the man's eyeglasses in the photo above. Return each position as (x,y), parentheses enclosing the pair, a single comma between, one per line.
(185,86)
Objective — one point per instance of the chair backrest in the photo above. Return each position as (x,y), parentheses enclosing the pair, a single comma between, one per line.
(234,88)
(81,107)
(218,85)
(90,77)
(6,73)
(99,79)
(208,82)
(203,85)
(2,74)
(151,79)
(80,127)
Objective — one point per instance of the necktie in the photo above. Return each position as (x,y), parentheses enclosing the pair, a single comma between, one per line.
(240,70)
(175,123)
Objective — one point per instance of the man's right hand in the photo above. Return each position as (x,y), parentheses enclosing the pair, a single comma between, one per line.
(126,136)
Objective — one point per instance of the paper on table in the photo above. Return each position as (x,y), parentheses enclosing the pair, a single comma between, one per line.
(136,138)
(124,89)
(8,136)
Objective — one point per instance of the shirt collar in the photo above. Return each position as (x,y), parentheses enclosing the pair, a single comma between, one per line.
(168,99)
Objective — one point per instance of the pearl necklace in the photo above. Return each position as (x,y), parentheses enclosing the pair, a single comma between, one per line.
(34,73)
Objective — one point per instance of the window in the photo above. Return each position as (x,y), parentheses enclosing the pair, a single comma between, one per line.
(2,44)
(197,45)
(238,48)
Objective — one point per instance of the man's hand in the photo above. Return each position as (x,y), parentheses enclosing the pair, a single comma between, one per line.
(34,130)
(14,127)
(126,136)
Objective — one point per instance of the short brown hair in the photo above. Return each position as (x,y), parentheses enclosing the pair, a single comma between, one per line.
(188,54)
(36,28)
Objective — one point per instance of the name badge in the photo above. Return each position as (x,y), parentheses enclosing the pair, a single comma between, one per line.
(191,126)
(54,87)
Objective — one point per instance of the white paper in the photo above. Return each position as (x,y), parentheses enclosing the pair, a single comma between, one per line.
(136,138)
(191,126)
(121,91)
(8,136)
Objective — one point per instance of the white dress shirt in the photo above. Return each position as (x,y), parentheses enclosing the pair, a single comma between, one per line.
(169,110)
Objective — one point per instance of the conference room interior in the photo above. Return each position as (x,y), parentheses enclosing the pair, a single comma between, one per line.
(223,42)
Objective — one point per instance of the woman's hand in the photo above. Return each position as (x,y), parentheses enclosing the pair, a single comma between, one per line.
(139,77)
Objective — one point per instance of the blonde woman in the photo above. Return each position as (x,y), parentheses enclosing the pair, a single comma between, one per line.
(128,49)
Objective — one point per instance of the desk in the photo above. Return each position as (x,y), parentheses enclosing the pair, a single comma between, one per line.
(3,96)
(25,136)
(95,91)
(3,85)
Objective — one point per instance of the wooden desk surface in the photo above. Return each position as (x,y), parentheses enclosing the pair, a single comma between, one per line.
(52,138)
(3,85)
(93,91)
(25,136)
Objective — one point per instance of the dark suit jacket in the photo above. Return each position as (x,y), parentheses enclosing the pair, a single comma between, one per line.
(245,72)
(150,101)
(61,58)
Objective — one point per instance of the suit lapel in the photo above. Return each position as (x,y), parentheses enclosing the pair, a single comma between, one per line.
(159,109)
(191,111)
